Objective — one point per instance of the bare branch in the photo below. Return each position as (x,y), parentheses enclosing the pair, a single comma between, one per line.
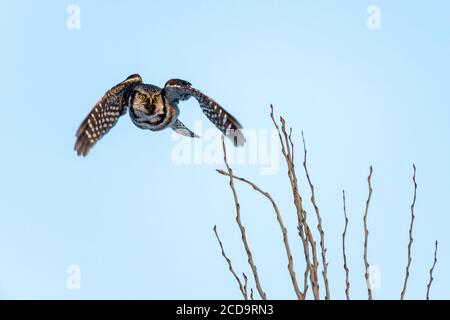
(292,144)
(299,294)
(314,266)
(402,295)
(245,283)
(303,229)
(319,223)
(347,281)
(432,269)
(243,288)
(305,282)
(283,148)
(241,227)
(366,235)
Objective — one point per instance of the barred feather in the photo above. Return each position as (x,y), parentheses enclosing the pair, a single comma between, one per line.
(179,90)
(104,115)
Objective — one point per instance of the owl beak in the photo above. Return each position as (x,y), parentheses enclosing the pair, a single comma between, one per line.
(150,108)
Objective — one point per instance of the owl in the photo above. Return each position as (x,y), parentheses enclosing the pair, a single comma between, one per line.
(152,108)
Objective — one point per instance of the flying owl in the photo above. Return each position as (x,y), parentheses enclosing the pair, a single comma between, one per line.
(151,108)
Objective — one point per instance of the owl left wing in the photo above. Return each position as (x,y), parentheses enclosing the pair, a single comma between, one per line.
(177,90)
(104,115)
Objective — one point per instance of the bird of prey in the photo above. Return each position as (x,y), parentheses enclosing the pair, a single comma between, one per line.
(151,108)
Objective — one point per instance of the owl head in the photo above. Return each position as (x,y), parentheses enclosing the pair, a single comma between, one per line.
(147,99)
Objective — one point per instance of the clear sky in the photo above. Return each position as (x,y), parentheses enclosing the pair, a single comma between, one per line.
(139,225)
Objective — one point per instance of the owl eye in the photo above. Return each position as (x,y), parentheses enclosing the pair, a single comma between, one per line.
(141,97)
(155,99)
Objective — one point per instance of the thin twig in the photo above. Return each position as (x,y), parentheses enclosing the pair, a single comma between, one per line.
(299,294)
(319,223)
(243,288)
(251,294)
(308,267)
(432,269)
(402,295)
(305,282)
(315,265)
(347,281)
(366,235)
(245,283)
(241,227)
(301,231)
(306,237)
(291,143)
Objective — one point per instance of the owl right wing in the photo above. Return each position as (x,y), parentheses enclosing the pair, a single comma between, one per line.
(104,114)
(180,90)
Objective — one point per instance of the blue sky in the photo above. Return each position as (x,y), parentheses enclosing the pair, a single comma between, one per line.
(140,226)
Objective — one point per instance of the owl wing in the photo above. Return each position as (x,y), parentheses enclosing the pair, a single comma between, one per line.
(177,90)
(104,114)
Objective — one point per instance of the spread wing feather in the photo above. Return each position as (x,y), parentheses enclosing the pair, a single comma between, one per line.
(179,90)
(104,115)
